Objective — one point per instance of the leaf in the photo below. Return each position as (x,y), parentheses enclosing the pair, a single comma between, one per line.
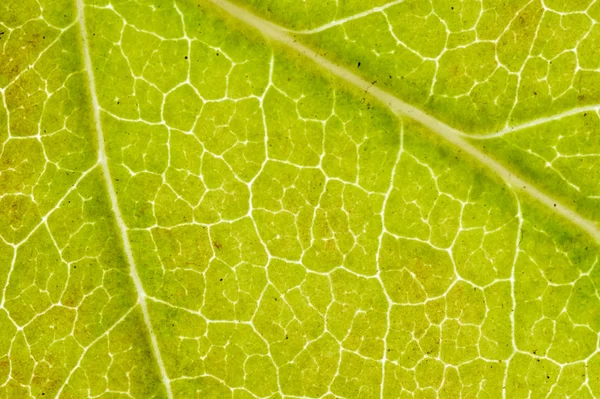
(279,199)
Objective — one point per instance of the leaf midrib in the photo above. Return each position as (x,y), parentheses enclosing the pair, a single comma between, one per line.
(399,107)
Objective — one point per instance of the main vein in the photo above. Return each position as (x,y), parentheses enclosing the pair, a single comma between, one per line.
(102,160)
(450,134)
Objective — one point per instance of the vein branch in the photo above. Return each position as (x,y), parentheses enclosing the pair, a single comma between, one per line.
(342,21)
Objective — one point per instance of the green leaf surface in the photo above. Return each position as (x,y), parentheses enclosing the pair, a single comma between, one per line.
(299,199)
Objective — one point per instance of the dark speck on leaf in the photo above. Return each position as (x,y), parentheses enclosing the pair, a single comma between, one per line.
(186,57)
(221,280)
(358,64)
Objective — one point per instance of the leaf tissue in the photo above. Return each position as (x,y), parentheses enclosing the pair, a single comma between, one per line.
(299,199)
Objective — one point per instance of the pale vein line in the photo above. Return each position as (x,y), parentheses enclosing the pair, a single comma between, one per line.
(533,123)
(102,160)
(513,297)
(342,21)
(449,133)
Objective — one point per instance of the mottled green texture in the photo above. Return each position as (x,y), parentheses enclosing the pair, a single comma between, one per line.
(294,237)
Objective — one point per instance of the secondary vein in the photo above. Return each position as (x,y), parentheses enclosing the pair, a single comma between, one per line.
(102,160)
